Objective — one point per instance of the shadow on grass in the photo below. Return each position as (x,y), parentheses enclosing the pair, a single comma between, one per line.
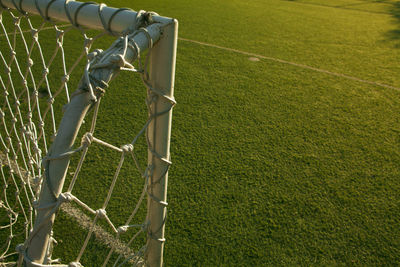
(392,10)
(350,6)
(394,35)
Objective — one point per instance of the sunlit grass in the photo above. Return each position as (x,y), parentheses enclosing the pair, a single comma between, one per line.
(273,164)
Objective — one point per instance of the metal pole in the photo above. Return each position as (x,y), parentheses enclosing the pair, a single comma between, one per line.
(88,15)
(162,77)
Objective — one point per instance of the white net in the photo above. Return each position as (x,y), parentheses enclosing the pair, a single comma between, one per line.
(39,71)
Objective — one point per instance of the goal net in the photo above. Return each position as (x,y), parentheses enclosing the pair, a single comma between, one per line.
(84,184)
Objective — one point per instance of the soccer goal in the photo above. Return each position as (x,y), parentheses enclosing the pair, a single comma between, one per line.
(108,191)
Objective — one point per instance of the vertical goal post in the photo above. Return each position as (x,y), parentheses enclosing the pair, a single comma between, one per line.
(136,32)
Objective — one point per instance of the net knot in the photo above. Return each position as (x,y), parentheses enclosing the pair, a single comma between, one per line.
(6,93)
(8,70)
(101,213)
(36,149)
(65,197)
(100,91)
(16,21)
(88,42)
(17,103)
(25,131)
(1,114)
(35,34)
(14,120)
(122,229)
(45,71)
(60,33)
(65,78)
(35,93)
(25,83)
(41,124)
(30,62)
(74,264)
(50,100)
(87,139)
(94,54)
(12,54)
(127,148)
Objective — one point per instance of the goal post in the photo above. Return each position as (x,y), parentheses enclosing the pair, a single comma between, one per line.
(137,32)
(162,74)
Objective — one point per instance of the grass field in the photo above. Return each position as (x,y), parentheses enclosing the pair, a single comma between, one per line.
(290,160)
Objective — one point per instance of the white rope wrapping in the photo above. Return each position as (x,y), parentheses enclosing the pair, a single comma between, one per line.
(28,149)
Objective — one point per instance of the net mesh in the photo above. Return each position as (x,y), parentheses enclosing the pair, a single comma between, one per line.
(35,84)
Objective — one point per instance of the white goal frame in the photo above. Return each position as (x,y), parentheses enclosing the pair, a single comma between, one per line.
(163,34)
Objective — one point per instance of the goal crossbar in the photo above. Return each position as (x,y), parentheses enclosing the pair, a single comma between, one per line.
(118,20)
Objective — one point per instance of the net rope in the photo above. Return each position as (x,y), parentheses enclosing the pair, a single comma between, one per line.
(26,121)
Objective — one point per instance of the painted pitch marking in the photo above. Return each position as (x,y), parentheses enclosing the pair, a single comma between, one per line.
(292,64)
(253,55)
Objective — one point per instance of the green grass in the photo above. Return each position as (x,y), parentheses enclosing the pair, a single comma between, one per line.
(273,164)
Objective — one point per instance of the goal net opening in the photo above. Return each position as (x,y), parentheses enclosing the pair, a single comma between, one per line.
(84,153)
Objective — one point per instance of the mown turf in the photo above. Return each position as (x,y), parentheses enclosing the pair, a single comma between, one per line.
(273,164)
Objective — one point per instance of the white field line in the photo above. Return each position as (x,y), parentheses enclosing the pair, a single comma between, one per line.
(293,64)
(102,235)
(83,220)
(341,75)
